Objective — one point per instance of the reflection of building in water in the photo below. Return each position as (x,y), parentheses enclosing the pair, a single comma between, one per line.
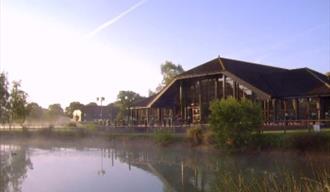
(175,174)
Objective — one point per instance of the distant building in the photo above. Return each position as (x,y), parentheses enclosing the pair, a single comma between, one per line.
(284,94)
(94,112)
(77,115)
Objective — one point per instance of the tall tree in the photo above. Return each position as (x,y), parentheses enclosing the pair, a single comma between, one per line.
(36,112)
(18,103)
(126,100)
(92,104)
(55,110)
(4,98)
(73,106)
(169,70)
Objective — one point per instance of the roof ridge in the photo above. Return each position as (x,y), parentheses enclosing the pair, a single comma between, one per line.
(254,63)
(316,77)
(221,63)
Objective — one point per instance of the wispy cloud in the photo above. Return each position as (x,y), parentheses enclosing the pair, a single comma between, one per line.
(115,19)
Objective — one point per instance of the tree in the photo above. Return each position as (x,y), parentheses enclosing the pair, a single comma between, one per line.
(91,104)
(35,111)
(328,74)
(234,122)
(18,103)
(55,110)
(169,70)
(73,106)
(4,98)
(126,100)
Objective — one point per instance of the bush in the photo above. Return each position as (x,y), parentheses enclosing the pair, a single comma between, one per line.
(195,135)
(209,137)
(163,137)
(234,122)
(71,125)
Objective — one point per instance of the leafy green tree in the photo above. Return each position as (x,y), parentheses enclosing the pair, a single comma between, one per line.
(55,110)
(18,103)
(234,121)
(73,106)
(35,111)
(4,98)
(91,104)
(169,70)
(126,100)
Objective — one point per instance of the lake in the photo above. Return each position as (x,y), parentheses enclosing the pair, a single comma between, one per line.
(41,165)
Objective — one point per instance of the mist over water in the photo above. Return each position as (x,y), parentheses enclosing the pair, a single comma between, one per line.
(101,165)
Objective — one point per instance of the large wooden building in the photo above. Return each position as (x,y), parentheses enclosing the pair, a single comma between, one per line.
(290,95)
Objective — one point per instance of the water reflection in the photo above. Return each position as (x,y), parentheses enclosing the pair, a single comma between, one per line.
(14,165)
(120,167)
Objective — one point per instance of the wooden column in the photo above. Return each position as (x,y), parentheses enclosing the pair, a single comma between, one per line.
(318,108)
(265,110)
(181,100)
(200,102)
(159,116)
(224,87)
(274,106)
(296,108)
(216,88)
(147,114)
(234,90)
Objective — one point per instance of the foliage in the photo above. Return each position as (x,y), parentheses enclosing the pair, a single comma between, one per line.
(163,137)
(73,106)
(91,104)
(296,141)
(18,103)
(55,110)
(234,121)
(209,137)
(4,98)
(283,181)
(195,135)
(327,74)
(35,111)
(125,101)
(169,70)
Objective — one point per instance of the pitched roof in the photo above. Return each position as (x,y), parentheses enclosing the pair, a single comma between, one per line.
(275,81)
(144,101)
(209,67)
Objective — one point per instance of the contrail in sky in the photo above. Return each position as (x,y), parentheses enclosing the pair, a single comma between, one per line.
(115,19)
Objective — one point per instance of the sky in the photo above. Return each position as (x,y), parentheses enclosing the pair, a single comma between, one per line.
(77,50)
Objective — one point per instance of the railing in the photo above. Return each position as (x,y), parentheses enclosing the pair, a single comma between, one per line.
(306,124)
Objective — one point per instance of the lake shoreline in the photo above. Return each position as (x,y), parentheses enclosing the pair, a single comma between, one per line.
(297,143)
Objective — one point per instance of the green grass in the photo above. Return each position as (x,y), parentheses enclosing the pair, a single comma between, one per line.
(281,182)
(296,131)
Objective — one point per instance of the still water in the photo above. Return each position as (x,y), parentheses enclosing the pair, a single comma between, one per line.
(56,166)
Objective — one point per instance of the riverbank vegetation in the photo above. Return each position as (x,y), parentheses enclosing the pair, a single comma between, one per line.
(283,181)
(298,141)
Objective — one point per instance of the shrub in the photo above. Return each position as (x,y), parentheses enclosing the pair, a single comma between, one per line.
(234,122)
(209,137)
(163,137)
(72,124)
(195,135)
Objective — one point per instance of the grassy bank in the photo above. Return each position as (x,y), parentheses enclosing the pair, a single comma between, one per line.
(299,141)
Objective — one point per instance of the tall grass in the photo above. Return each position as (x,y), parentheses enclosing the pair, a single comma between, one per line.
(270,182)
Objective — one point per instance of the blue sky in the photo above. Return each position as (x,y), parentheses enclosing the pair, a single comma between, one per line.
(44,43)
